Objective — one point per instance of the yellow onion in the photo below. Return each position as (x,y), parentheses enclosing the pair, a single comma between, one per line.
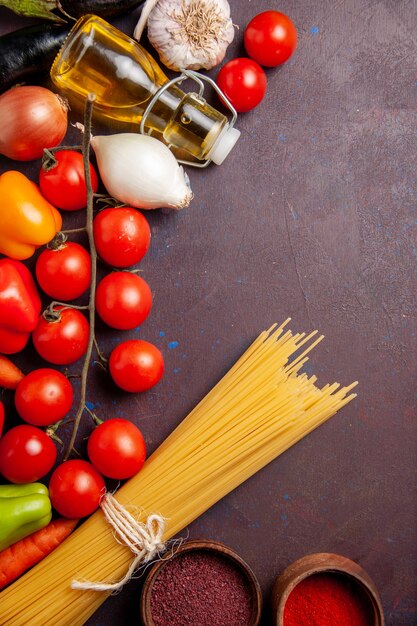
(31,119)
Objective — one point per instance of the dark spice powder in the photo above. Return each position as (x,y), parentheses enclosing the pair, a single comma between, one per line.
(328,600)
(199,588)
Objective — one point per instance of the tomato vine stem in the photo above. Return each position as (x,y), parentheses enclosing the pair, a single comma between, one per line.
(73,230)
(93,253)
(104,360)
(49,161)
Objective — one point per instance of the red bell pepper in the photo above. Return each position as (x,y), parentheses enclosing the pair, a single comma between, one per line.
(1,417)
(10,374)
(20,305)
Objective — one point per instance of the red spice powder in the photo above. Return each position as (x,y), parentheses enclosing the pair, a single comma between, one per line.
(328,600)
(199,588)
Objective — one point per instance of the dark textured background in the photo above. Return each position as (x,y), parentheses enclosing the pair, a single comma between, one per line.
(312,216)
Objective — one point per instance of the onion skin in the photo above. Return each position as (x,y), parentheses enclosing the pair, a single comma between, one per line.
(31,118)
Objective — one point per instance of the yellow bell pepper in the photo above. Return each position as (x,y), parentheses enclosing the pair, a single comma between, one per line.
(27,220)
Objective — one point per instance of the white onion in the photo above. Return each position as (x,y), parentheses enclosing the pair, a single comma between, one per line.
(141,171)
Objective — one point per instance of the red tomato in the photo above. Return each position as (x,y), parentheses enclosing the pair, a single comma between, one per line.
(136,365)
(26,454)
(122,236)
(243,82)
(64,341)
(117,448)
(123,300)
(1,417)
(64,185)
(64,274)
(43,397)
(76,489)
(270,38)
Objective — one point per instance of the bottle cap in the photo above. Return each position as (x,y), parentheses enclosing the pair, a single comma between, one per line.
(224,144)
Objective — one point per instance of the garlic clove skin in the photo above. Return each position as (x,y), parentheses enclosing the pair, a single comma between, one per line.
(141,171)
(191,34)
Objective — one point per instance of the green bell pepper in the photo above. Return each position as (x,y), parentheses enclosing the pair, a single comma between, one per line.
(23,510)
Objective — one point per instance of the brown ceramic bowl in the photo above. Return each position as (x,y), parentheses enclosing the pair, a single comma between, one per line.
(323,563)
(213,547)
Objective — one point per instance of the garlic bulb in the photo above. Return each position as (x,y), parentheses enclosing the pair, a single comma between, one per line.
(188,34)
(141,171)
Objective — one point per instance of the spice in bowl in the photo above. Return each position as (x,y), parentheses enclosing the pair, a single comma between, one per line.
(204,584)
(325,589)
(327,600)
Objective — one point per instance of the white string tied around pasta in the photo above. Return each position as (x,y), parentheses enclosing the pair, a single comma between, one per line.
(145,540)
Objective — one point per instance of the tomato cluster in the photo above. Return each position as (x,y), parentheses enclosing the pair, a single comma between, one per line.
(270,39)
(61,335)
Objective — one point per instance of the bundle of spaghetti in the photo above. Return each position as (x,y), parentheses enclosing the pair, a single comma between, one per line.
(261,407)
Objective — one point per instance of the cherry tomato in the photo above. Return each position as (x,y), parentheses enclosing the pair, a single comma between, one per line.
(270,38)
(76,489)
(136,365)
(26,454)
(43,397)
(117,448)
(122,236)
(243,82)
(123,300)
(64,185)
(63,341)
(64,274)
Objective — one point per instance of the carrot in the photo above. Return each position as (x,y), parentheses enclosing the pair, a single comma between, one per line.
(23,554)
(10,374)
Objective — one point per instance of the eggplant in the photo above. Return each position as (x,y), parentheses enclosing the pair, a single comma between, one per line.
(29,51)
(103,8)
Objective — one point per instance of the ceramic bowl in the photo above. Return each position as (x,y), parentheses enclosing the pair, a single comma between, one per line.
(207,546)
(323,563)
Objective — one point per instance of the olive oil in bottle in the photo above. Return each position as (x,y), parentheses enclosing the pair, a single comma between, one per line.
(96,57)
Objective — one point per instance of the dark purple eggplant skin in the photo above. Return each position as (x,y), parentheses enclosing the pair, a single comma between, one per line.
(103,8)
(28,51)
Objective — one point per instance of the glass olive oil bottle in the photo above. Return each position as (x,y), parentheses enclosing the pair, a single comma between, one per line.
(97,57)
